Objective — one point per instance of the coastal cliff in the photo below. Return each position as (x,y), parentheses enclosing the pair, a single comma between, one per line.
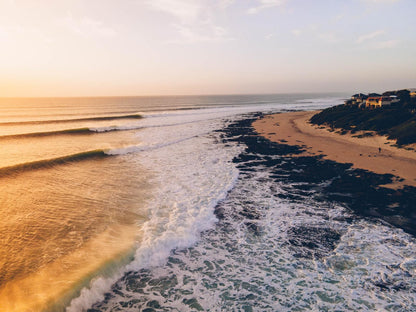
(396,118)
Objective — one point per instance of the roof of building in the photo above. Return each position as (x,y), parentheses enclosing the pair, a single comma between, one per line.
(359,95)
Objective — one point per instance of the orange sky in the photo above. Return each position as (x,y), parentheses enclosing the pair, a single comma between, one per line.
(143,47)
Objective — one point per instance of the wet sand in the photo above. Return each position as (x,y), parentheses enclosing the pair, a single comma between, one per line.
(294,129)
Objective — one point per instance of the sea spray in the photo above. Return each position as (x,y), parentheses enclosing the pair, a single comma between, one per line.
(186,196)
(180,211)
(106,272)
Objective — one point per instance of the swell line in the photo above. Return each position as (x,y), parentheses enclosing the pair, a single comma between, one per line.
(94,130)
(48,133)
(76,131)
(38,122)
(47,163)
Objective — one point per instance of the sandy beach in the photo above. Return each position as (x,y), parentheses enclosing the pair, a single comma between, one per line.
(294,129)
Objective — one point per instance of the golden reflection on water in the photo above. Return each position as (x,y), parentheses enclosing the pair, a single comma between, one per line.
(60,225)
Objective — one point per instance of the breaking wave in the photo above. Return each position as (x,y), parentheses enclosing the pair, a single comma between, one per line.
(52,121)
(46,163)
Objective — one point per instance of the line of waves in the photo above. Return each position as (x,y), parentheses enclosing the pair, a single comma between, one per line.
(138,148)
(47,133)
(46,163)
(88,155)
(91,130)
(76,131)
(52,121)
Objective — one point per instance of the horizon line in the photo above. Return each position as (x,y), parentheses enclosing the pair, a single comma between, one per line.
(168,95)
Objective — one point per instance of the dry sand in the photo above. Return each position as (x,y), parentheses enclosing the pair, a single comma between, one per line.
(294,129)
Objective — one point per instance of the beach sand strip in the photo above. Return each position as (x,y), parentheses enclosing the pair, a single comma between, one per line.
(374,153)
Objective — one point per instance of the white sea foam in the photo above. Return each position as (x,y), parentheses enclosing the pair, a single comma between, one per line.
(192,175)
(114,128)
(232,267)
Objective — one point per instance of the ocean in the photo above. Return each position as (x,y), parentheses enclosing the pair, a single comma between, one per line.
(174,204)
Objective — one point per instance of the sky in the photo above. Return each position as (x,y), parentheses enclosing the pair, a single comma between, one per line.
(177,47)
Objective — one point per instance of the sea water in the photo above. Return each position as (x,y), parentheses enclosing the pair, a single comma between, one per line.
(126,204)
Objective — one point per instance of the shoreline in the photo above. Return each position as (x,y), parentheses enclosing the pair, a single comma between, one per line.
(293,128)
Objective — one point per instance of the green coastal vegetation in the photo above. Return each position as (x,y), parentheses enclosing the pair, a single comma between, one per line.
(392,113)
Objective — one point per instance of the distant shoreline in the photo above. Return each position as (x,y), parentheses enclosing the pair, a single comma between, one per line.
(293,128)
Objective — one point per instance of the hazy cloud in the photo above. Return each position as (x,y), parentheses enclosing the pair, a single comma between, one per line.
(87,27)
(388,44)
(185,10)
(338,17)
(265,4)
(225,3)
(192,35)
(20,33)
(370,36)
(297,32)
(329,37)
(269,36)
(4,34)
(195,18)
(381,1)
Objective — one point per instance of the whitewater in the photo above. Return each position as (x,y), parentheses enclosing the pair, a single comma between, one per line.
(211,225)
